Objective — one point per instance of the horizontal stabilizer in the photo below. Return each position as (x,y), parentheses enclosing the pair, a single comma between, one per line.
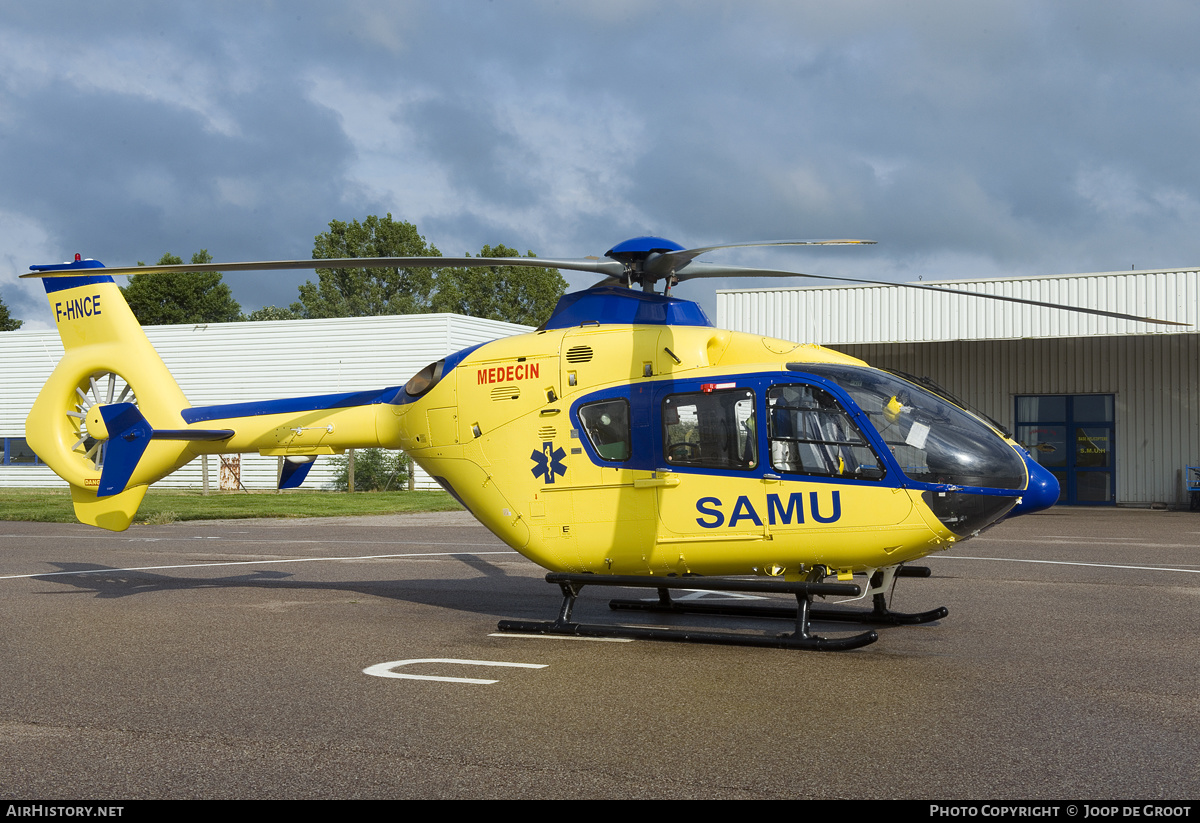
(129,433)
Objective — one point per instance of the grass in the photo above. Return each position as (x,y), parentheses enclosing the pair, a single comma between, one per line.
(170,505)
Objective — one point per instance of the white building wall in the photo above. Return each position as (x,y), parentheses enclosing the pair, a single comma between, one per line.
(239,362)
(832,315)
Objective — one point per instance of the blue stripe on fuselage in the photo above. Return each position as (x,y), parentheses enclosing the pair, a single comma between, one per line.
(292,405)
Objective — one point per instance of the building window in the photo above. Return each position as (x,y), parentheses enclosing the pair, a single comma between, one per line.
(17,453)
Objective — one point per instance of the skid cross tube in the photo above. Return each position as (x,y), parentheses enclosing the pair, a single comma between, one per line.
(572,584)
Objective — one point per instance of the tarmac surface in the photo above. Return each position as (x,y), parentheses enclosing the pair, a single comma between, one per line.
(226,660)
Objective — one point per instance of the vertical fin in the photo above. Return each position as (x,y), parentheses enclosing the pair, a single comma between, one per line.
(114,513)
(293,473)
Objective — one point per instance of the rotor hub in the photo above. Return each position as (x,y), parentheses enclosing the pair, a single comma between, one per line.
(635,253)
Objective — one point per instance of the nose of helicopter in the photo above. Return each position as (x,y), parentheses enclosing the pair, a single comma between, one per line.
(1042,492)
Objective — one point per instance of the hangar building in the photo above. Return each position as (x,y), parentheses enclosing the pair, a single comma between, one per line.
(239,362)
(1112,407)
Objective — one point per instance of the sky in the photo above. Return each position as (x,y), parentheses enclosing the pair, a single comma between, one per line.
(972,139)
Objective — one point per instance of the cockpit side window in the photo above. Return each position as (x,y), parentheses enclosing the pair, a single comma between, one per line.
(810,433)
(713,430)
(606,424)
(932,440)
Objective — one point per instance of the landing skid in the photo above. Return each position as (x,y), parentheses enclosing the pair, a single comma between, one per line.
(879,614)
(802,638)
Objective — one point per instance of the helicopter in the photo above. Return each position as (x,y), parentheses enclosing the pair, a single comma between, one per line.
(626,442)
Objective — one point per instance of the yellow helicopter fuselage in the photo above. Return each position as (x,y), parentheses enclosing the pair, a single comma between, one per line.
(506,411)
(646,443)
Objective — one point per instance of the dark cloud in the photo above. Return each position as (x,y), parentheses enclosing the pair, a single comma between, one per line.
(477,154)
(970,139)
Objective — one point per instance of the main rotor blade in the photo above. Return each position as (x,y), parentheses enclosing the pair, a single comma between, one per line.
(678,264)
(608,267)
(697,270)
(671,262)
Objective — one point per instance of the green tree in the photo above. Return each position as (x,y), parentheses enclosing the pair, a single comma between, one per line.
(516,294)
(7,322)
(375,470)
(165,299)
(366,292)
(276,313)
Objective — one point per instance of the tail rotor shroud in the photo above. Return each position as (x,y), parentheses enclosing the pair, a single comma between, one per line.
(100,389)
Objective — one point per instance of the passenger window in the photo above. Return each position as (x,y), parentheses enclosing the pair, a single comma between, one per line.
(811,434)
(606,425)
(714,430)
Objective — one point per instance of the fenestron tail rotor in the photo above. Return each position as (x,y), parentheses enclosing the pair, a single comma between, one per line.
(100,389)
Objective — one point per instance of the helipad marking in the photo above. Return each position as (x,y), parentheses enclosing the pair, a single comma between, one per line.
(252,563)
(386,669)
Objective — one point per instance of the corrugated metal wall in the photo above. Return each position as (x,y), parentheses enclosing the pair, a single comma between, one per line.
(235,362)
(892,314)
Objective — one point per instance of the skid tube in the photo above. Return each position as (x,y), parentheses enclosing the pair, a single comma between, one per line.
(802,638)
(879,614)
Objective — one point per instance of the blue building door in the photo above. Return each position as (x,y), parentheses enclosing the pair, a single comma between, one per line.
(1072,436)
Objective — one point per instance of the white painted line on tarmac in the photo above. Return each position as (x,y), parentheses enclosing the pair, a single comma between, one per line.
(1066,563)
(106,536)
(563,637)
(1110,542)
(1078,539)
(252,563)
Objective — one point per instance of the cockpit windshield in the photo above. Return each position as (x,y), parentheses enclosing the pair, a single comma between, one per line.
(932,440)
